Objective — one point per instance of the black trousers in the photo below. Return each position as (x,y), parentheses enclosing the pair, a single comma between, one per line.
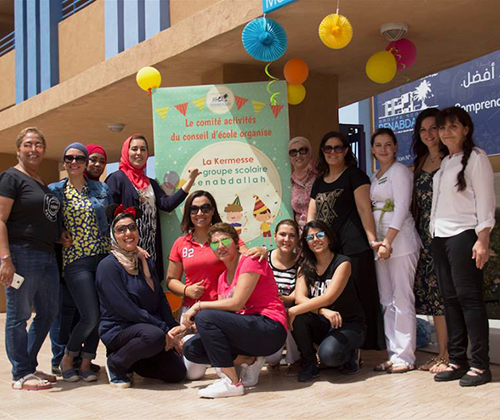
(461,284)
(141,348)
(335,344)
(222,336)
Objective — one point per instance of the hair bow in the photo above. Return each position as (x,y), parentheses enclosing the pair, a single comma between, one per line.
(120,209)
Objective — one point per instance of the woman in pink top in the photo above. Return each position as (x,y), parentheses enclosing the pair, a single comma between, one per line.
(245,324)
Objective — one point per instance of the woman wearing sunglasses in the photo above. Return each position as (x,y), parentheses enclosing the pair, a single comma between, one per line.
(328,312)
(86,243)
(137,325)
(340,197)
(397,256)
(191,255)
(303,177)
(131,187)
(245,324)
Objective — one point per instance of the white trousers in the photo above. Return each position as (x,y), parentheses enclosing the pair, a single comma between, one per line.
(292,352)
(194,371)
(395,278)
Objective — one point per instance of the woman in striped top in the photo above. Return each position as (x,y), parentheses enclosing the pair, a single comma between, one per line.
(283,262)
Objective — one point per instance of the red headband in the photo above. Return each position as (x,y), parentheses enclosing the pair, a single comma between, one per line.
(120,209)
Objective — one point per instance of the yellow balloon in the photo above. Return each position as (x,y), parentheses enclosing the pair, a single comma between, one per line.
(148,78)
(296,93)
(381,67)
(335,31)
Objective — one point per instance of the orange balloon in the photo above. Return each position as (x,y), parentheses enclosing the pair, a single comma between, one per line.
(174,301)
(296,71)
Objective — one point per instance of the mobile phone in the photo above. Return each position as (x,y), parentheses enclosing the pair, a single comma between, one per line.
(17,281)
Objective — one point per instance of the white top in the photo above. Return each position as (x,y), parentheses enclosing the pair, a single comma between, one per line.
(395,185)
(454,212)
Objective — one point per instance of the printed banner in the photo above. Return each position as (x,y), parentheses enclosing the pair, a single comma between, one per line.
(238,140)
(474,86)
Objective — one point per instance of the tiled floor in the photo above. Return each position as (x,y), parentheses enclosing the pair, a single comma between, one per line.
(367,395)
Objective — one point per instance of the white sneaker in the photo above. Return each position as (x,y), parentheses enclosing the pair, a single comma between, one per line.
(222,388)
(250,373)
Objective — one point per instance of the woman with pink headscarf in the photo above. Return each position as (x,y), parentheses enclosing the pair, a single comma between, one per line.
(303,177)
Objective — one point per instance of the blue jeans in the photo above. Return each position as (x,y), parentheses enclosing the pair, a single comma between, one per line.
(80,279)
(39,290)
(62,326)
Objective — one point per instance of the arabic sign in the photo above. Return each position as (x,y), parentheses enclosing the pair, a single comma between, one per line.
(474,86)
(271,5)
(238,141)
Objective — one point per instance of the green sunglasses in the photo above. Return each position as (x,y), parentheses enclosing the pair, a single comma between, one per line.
(225,242)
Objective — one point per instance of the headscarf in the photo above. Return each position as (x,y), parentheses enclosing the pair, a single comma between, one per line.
(301,175)
(95,148)
(78,146)
(136,176)
(128,259)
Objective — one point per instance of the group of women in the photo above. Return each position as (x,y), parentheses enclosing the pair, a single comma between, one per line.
(320,293)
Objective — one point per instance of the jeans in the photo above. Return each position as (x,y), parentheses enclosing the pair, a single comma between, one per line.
(222,336)
(80,279)
(62,326)
(39,290)
(141,348)
(461,284)
(335,344)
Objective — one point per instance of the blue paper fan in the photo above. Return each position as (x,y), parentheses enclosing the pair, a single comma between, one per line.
(264,39)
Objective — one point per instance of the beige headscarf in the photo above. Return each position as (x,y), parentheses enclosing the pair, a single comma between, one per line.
(296,143)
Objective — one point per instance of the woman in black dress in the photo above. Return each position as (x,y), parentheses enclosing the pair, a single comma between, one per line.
(340,197)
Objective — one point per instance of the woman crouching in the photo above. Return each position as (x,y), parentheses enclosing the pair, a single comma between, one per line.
(136,325)
(247,323)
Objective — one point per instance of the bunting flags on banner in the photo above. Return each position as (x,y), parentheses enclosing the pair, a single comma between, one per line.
(257,106)
(182,108)
(240,102)
(199,103)
(162,112)
(276,109)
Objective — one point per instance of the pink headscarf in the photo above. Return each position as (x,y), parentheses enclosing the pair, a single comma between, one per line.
(137,176)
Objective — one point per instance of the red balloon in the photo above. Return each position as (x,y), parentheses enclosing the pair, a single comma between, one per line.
(404,51)
(296,71)
(174,301)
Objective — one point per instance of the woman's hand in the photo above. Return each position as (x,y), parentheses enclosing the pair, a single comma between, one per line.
(193,173)
(332,316)
(375,245)
(384,252)
(195,291)
(257,252)
(143,252)
(7,271)
(66,239)
(175,336)
(291,317)
(480,253)
(188,318)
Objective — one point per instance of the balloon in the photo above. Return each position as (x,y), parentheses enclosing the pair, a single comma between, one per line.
(296,94)
(296,71)
(381,67)
(335,31)
(148,78)
(404,51)
(174,301)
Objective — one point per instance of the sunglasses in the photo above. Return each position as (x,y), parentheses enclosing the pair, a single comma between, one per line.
(319,235)
(123,228)
(225,243)
(301,151)
(329,149)
(77,158)
(205,208)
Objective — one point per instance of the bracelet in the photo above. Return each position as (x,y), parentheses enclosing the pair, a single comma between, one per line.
(372,242)
(184,291)
(5,257)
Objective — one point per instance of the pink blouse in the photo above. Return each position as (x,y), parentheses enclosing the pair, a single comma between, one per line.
(301,195)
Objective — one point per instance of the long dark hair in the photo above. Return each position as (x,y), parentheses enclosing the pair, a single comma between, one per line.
(186,223)
(453,114)
(308,261)
(420,150)
(349,159)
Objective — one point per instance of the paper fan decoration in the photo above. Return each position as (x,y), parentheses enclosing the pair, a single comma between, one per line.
(335,31)
(264,39)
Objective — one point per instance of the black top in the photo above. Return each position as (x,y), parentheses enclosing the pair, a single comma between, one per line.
(348,303)
(336,206)
(127,300)
(33,218)
(124,192)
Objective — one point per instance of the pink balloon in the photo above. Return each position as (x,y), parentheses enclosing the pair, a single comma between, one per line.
(405,52)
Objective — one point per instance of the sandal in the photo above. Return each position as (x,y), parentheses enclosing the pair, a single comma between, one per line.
(46,377)
(400,368)
(439,366)
(383,367)
(37,386)
(428,364)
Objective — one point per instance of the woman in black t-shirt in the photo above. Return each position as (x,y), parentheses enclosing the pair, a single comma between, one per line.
(328,311)
(340,197)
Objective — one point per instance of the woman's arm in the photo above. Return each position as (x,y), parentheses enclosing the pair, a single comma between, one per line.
(7,268)
(364,207)
(311,211)
(176,286)
(166,202)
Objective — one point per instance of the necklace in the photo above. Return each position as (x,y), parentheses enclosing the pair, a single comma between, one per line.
(434,160)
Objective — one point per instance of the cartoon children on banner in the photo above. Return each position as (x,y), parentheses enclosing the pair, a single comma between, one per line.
(234,214)
(262,214)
